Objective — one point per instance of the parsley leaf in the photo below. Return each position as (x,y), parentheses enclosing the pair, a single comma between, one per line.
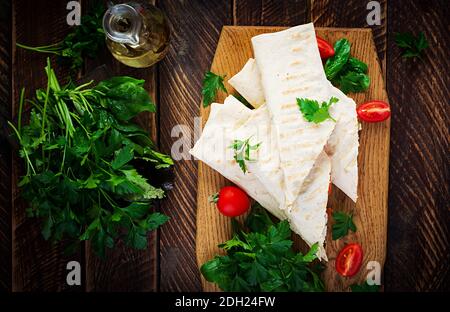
(263,260)
(315,113)
(411,45)
(242,152)
(343,223)
(125,97)
(122,157)
(364,287)
(211,84)
(258,220)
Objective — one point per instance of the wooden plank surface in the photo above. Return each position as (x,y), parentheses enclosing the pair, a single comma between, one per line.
(370,212)
(419,220)
(196,26)
(270,13)
(5,153)
(124,268)
(37,265)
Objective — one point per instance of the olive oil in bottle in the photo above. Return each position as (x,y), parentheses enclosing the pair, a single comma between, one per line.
(137,33)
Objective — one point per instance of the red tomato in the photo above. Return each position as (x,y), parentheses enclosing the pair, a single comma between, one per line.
(325,49)
(329,188)
(374,111)
(232,201)
(349,260)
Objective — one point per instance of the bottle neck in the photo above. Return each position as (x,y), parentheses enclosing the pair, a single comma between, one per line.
(122,23)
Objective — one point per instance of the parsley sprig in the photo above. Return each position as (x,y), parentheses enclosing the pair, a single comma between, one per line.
(342,224)
(260,258)
(242,152)
(85,40)
(412,46)
(211,84)
(313,112)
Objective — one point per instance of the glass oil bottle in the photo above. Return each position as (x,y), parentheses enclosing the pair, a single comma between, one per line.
(137,33)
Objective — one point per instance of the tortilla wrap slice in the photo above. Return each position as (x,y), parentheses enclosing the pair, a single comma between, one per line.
(213,149)
(251,88)
(342,146)
(291,68)
(308,217)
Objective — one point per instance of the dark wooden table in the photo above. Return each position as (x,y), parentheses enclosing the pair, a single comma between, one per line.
(418,255)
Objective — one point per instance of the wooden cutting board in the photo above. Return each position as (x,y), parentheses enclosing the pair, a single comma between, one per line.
(370,212)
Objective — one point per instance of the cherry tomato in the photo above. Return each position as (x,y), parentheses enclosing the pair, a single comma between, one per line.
(232,201)
(349,260)
(325,49)
(374,111)
(329,188)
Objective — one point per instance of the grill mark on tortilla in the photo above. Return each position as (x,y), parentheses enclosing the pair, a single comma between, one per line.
(289,91)
(288,105)
(289,118)
(296,49)
(295,63)
(291,77)
(299,163)
(297,146)
(285,135)
(293,177)
(312,195)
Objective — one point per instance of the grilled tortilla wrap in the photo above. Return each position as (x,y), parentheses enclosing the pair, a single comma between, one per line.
(342,146)
(291,68)
(233,120)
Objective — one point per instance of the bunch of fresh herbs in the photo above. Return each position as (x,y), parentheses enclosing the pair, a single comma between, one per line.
(85,40)
(345,71)
(83,153)
(261,258)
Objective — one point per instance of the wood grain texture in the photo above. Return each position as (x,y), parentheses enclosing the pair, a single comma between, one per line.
(5,152)
(124,268)
(370,212)
(37,265)
(419,234)
(196,26)
(351,13)
(270,13)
